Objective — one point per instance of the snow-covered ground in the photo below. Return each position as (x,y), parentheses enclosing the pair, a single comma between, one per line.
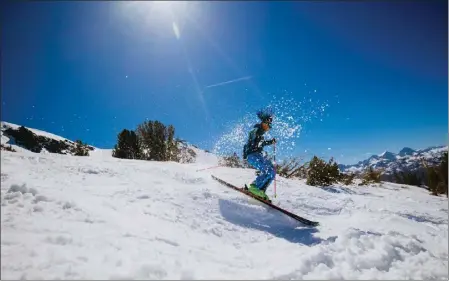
(98,217)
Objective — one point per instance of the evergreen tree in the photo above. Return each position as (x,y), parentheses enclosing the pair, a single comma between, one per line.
(443,175)
(332,171)
(158,141)
(25,138)
(397,177)
(347,179)
(153,135)
(432,180)
(320,173)
(371,176)
(127,146)
(436,179)
(80,149)
(146,136)
(159,145)
(411,178)
(172,146)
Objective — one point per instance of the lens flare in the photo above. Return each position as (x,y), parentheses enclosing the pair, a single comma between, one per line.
(176,30)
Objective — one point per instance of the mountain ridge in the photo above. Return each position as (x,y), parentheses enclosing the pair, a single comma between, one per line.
(407,159)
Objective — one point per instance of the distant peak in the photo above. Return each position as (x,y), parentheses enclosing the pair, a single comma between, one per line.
(406,151)
(386,152)
(387,155)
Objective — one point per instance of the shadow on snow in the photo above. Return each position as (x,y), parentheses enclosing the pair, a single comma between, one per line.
(268,220)
(337,189)
(345,190)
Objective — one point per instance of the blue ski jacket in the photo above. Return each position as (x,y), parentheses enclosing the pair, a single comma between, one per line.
(255,141)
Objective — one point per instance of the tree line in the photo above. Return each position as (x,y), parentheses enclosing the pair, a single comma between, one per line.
(432,176)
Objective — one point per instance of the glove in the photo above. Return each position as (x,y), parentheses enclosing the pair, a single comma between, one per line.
(269,142)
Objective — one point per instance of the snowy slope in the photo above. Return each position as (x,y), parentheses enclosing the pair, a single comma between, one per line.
(69,217)
(205,159)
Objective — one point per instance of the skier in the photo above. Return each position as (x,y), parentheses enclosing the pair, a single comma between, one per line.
(252,152)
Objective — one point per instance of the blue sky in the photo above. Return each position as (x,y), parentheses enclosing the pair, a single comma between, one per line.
(87,70)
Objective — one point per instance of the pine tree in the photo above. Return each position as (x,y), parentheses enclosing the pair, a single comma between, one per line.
(347,179)
(172,147)
(80,149)
(397,177)
(320,173)
(432,180)
(437,176)
(146,136)
(443,174)
(332,171)
(159,145)
(371,176)
(127,146)
(25,138)
(158,141)
(153,135)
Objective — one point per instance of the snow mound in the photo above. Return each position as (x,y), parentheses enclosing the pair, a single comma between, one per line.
(205,158)
(101,153)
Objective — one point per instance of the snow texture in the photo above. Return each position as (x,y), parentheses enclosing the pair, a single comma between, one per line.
(98,217)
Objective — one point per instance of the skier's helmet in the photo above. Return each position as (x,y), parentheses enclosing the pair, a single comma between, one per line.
(266,116)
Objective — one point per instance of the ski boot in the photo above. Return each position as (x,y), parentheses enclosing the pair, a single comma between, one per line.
(257,192)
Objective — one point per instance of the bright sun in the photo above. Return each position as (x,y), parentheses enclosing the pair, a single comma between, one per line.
(163,5)
(160,14)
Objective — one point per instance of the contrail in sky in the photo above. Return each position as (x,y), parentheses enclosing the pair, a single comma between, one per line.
(228,82)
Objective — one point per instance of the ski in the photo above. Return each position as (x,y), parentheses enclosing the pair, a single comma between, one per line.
(242,190)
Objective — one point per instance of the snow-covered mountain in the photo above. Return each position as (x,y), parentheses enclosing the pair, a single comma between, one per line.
(99,217)
(34,140)
(407,159)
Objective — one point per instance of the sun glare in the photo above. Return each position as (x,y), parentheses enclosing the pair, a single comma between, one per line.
(163,5)
(162,19)
(158,15)
(176,30)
